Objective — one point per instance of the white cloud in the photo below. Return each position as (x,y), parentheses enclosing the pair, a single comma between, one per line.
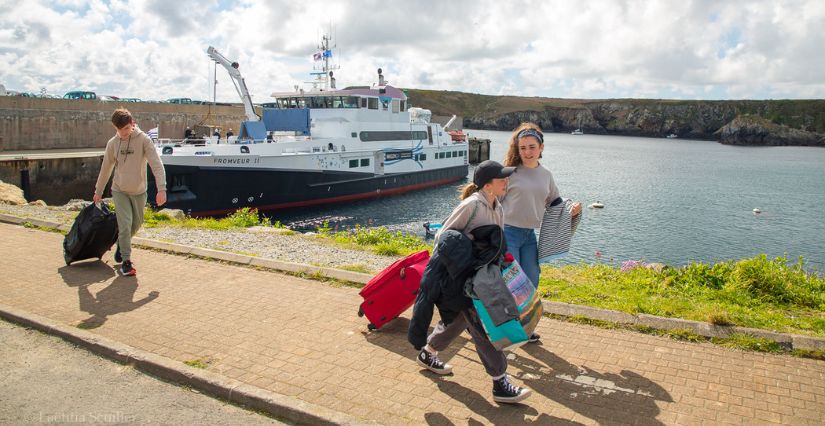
(155,49)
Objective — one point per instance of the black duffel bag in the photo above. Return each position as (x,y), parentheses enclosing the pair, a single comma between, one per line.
(93,233)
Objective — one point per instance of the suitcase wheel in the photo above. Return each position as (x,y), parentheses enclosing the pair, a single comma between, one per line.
(360,312)
(372,327)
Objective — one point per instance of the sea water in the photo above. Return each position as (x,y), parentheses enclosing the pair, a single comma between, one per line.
(666,200)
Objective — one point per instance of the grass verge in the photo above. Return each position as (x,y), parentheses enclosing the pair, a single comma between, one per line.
(757,292)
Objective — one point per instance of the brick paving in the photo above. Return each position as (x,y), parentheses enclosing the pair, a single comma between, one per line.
(303,339)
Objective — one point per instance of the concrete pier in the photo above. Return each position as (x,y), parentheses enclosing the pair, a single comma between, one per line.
(479,150)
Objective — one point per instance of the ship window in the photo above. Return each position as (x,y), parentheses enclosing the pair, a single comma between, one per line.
(449,154)
(244,150)
(455,153)
(353,134)
(460,153)
(365,162)
(403,105)
(353,163)
(396,107)
(363,102)
(422,157)
(350,102)
(391,135)
(372,103)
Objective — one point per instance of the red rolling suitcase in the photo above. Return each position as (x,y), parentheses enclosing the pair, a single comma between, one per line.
(393,290)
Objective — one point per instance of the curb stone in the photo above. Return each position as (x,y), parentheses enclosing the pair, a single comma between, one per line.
(204,381)
(788,341)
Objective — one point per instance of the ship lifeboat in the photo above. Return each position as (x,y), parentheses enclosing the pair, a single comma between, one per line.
(458,136)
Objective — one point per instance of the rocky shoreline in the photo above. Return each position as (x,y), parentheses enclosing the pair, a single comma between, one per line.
(257,241)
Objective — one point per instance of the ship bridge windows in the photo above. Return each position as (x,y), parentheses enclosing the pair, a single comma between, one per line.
(372,103)
(393,135)
(315,102)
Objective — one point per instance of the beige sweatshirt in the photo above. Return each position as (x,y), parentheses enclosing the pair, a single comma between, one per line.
(528,191)
(128,158)
(486,214)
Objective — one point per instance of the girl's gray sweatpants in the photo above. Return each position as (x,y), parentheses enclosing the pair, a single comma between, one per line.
(494,360)
(129,210)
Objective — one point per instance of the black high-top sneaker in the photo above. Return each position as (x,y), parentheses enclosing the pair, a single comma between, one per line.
(431,362)
(504,391)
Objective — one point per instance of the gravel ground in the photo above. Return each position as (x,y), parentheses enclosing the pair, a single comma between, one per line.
(297,248)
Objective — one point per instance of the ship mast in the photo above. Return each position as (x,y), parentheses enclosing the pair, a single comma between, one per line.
(324,79)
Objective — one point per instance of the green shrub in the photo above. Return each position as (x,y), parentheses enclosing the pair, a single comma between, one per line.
(775,281)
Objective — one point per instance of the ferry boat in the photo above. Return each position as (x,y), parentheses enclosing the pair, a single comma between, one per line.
(314,147)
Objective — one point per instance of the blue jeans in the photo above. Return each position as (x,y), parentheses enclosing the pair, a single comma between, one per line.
(522,244)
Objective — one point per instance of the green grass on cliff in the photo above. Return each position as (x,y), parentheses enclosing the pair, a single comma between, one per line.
(757,292)
(804,114)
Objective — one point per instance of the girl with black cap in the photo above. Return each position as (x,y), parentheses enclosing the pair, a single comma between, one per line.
(479,206)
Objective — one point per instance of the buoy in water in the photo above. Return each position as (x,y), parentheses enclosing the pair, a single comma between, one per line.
(757,211)
(597,205)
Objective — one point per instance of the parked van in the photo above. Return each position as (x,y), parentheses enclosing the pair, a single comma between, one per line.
(184,101)
(80,95)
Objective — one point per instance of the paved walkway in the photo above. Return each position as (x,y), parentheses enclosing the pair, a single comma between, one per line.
(302,339)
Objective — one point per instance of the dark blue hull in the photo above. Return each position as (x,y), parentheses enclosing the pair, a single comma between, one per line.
(220,191)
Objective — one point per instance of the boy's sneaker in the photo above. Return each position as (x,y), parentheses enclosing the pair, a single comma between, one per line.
(118,257)
(432,363)
(533,338)
(504,391)
(127,269)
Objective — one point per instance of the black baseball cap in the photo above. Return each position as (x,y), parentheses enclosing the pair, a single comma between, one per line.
(489,170)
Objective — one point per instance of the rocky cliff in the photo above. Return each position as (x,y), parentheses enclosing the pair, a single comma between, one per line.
(744,122)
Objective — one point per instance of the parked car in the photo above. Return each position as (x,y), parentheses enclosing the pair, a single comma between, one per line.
(184,101)
(79,94)
(130,100)
(108,98)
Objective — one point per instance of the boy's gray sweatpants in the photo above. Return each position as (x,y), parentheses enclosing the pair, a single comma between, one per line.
(494,360)
(129,210)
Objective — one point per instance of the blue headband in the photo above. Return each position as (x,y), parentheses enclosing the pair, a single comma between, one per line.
(531,132)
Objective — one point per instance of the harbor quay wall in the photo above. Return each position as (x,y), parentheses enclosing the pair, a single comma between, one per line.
(53,180)
(41,124)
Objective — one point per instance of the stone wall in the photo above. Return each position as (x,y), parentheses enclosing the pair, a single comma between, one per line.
(35,123)
(54,180)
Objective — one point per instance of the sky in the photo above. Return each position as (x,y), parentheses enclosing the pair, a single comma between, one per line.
(594,49)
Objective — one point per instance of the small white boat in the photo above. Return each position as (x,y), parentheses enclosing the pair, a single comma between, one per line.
(672,136)
(577,132)
(757,211)
(597,205)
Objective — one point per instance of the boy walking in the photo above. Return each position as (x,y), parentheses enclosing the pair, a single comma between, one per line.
(127,154)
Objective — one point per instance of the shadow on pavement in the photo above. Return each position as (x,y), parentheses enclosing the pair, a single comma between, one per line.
(83,273)
(393,337)
(114,299)
(626,397)
(511,414)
